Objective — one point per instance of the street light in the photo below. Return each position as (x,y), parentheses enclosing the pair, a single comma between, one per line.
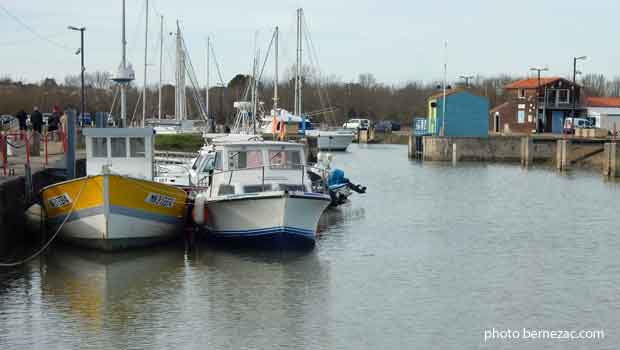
(575,59)
(81,52)
(538,70)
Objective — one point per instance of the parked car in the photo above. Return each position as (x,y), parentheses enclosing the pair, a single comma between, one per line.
(7,122)
(570,124)
(387,125)
(357,124)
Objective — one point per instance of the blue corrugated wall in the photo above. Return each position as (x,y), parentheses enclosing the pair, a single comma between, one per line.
(466,115)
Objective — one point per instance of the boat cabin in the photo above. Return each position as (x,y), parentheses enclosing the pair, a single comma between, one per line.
(252,167)
(123,151)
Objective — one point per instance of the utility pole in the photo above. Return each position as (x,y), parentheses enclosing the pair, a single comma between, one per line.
(538,70)
(445,82)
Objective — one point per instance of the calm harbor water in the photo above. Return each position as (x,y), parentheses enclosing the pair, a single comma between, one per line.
(430,258)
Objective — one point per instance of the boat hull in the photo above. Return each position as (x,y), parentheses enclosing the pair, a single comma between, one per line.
(113,212)
(267,220)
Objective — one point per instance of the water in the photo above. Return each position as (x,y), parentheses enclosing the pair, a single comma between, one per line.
(430,258)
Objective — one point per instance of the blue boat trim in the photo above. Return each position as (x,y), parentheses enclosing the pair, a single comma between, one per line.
(135,213)
(263,232)
(141,214)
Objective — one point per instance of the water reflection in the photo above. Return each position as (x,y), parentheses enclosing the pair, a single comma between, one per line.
(94,287)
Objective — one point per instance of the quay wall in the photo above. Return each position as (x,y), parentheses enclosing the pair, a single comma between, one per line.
(510,149)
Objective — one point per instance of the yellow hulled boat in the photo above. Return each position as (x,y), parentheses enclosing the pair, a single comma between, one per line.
(117,205)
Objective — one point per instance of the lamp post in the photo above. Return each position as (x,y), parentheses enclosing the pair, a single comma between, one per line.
(538,70)
(575,59)
(81,51)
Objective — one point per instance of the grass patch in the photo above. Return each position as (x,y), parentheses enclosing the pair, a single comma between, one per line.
(179,143)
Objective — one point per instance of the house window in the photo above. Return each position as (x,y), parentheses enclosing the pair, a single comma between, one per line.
(521,117)
(563,96)
(100,147)
(119,147)
(521,93)
(136,147)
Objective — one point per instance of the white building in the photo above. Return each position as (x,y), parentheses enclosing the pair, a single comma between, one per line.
(605,111)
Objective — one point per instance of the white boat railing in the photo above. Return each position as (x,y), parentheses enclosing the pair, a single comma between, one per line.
(207,181)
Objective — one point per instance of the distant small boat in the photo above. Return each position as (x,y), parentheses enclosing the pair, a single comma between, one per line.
(332,140)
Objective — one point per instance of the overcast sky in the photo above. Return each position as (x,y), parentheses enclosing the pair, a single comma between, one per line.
(396,40)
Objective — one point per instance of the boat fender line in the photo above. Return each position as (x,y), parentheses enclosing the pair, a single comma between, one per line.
(47,244)
(200,212)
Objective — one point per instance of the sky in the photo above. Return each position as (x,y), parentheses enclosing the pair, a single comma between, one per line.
(397,41)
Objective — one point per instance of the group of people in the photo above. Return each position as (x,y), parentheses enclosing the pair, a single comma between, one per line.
(54,122)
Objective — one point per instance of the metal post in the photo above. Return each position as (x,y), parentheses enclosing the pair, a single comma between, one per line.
(70,152)
(445,78)
(4,155)
(263,178)
(45,146)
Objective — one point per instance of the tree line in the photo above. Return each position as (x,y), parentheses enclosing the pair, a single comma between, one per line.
(362,98)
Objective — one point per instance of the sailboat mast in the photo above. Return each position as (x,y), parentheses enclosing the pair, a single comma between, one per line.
(180,101)
(161,58)
(300,62)
(275,83)
(146,41)
(124,68)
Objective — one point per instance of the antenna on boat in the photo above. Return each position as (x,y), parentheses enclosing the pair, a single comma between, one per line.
(275,83)
(207,80)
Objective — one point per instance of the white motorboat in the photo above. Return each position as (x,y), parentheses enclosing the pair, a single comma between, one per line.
(331,140)
(258,193)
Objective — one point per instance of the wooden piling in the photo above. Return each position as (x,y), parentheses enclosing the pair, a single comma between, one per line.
(527,151)
(610,163)
(562,155)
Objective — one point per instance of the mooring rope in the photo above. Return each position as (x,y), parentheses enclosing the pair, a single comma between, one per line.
(38,252)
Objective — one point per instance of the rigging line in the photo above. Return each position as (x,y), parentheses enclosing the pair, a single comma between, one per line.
(273,37)
(313,50)
(31,30)
(217,65)
(189,68)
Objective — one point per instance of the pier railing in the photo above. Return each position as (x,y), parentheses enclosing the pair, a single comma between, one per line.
(16,140)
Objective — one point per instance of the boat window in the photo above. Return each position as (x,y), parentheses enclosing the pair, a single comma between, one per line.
(256,188)
(219,160)
(284,159)
(119,147)
(245,159)
(100,147)
(137,147)
(226,189)
(208,164)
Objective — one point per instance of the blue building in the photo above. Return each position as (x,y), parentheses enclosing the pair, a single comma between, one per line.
(466,114)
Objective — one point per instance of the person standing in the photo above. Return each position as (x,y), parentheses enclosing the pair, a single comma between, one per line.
(22,117)
(36,118)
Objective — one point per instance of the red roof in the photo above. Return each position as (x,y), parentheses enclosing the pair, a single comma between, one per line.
(531,83)
(603,101)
